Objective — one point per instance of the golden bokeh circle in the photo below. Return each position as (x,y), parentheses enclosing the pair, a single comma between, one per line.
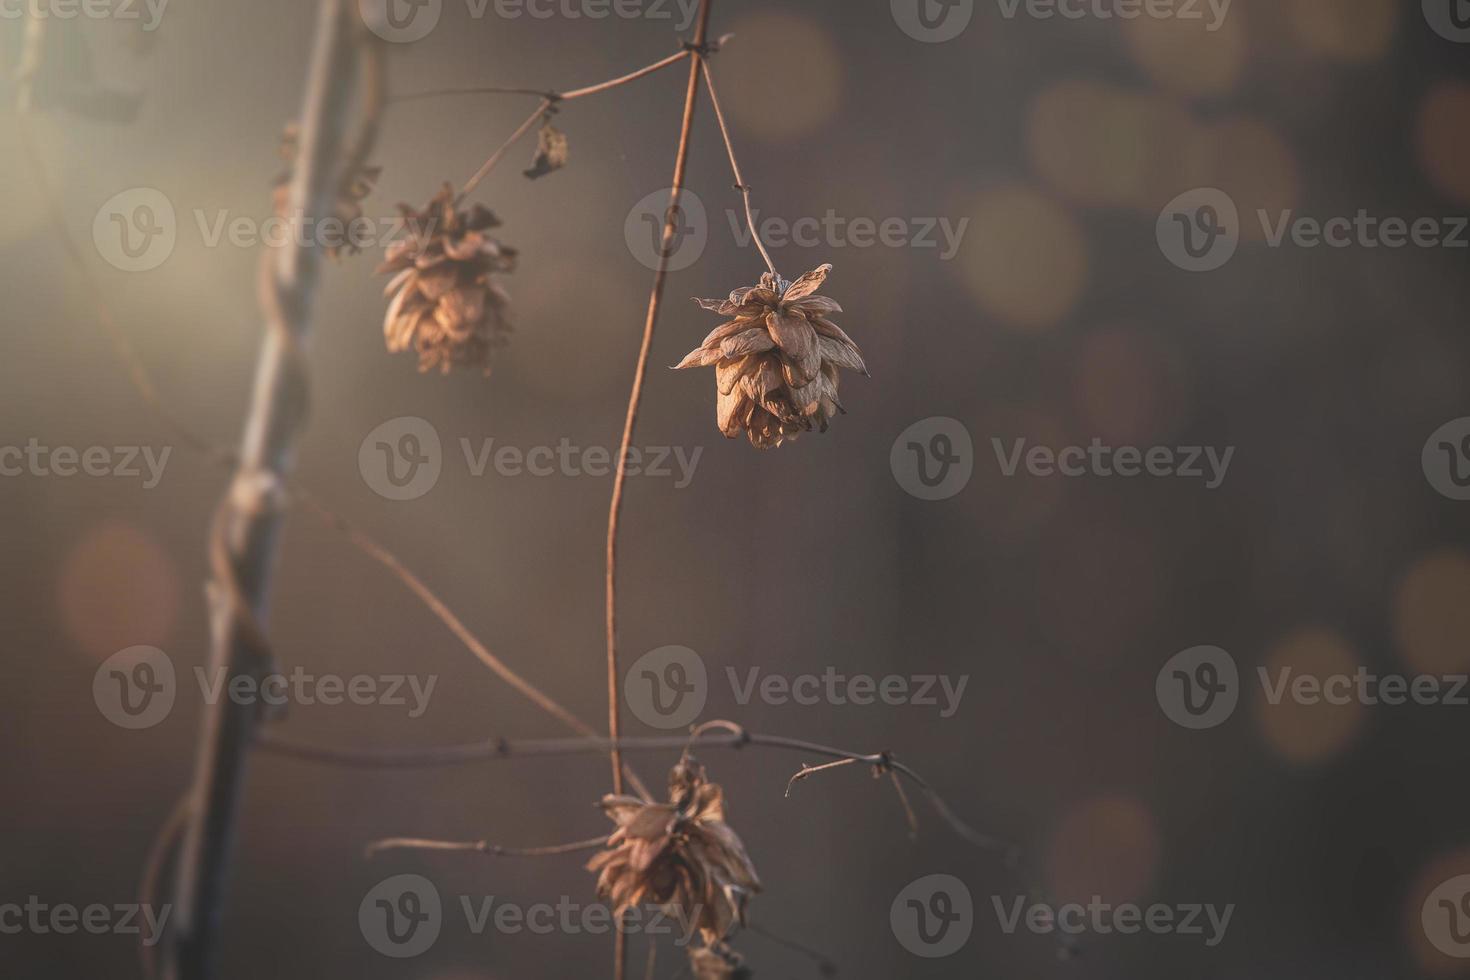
(1443,136)
(1432,616)
(784,78)
(1107,847)
(1024,258)
(1298,731)
(118,588)
(1188,57)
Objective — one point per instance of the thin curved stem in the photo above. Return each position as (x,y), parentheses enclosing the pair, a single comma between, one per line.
(580,93)
(740,184)
(635,396)
(548,101)
(733,737)
(499,154)
(481,847)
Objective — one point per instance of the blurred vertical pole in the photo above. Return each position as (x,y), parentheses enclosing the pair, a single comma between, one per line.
(244,538)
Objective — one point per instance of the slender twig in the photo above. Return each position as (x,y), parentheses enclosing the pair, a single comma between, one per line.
(550,95)
(811,770)
(480,847)
(733,737)
(824,963)
(500,152)
(160,852)
(908,808)
(635,396)
(548,101)
(672,59)
(740,184)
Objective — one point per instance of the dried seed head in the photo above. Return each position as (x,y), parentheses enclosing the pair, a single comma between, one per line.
(445,302)
(353,188)
(718,962)
(776,361)
(680,856)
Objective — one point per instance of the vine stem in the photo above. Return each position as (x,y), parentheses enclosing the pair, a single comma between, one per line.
(635,396)
(246,529)
(740,184)
(719,734)
(548,101)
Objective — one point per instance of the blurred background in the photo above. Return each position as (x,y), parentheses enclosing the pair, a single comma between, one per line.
(1058,319)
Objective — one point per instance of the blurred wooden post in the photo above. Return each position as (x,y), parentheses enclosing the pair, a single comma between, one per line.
(247,526)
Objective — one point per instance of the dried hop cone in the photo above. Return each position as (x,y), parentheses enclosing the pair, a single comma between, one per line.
(776,362)
(446,304)
(680,856)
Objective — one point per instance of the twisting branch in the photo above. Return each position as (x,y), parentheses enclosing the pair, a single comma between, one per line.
(740,184)
(480,847)
(244,536)
(711,735)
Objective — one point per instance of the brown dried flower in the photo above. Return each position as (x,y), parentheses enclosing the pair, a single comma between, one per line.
(446,304)
(776,362)
(356,184)
(718,962)
(680,856)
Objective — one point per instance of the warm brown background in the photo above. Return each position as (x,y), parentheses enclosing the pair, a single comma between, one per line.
(1059,321)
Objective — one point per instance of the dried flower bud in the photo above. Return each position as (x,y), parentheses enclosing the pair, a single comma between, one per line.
(680,856)
(446,304)
(551,152)
(718,962)
(776,362)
